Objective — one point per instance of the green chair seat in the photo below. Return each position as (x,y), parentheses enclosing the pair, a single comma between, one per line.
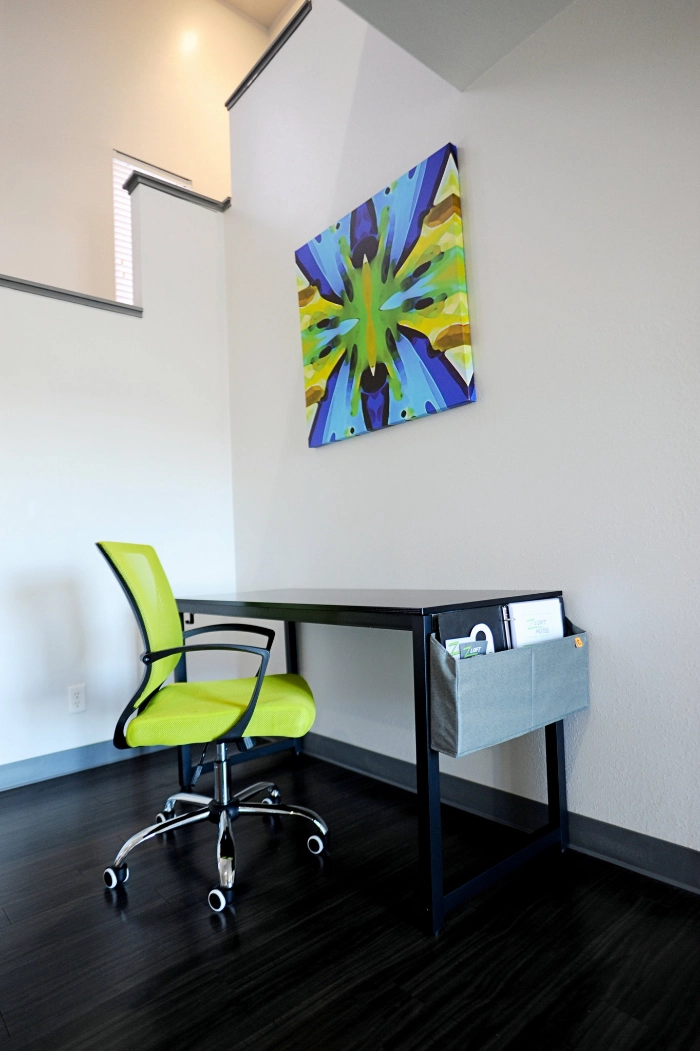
(193,712)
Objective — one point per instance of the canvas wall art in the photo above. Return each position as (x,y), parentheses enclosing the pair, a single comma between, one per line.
(383,304)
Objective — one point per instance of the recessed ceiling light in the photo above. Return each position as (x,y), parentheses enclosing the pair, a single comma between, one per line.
(189,42)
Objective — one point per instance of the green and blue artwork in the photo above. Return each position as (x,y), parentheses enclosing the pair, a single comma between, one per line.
(384,312)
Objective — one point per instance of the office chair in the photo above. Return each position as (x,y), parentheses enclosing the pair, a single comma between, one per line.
(203,713)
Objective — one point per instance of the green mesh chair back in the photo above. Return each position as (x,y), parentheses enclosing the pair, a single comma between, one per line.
(138,570)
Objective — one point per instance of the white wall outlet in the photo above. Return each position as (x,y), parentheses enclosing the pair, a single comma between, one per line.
(76,698)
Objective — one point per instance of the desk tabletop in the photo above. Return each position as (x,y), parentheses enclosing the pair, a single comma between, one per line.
(300,604)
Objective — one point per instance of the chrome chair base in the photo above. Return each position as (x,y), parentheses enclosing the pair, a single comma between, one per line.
(223,810)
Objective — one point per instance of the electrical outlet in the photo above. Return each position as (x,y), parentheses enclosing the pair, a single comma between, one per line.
(76,698)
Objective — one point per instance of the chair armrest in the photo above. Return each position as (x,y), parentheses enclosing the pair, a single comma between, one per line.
(264,655)
(249,628)
(150,657)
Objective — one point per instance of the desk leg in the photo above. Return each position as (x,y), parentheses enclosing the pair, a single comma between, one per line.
(291,648)
(558,813)
(184,752)
(428,786)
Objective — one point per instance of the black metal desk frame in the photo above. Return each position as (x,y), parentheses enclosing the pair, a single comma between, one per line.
(385,610)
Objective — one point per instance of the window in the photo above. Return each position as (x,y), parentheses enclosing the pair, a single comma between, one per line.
(122,167)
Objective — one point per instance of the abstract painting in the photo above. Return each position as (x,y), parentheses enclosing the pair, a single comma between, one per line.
(383,304)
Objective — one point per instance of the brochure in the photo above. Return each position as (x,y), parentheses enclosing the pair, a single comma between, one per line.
(539,620)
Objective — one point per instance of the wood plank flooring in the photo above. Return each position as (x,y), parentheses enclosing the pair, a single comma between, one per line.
(572,953)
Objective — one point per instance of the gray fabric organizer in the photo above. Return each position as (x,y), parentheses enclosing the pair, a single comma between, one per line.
(482,701)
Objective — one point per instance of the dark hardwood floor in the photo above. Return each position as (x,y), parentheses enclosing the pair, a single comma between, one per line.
(572,953)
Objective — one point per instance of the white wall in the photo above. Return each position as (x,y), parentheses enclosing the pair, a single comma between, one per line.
(81,78)
(580,160)
(111,428)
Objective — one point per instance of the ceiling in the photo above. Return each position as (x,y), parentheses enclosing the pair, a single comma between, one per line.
(264,12)
(459,39)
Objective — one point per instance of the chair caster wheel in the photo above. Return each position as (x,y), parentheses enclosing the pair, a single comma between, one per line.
(218,899)
(273,798)
(114,876)
(317,844)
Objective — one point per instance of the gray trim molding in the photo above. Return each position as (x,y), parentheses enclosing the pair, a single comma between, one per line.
(56,764)
(20,285)
(265,60)
(621,846)
(666,861)
(141,179)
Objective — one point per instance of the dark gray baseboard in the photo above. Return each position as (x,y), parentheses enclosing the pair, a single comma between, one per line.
(492,803)
(621,846)
(56,764)
(647,855)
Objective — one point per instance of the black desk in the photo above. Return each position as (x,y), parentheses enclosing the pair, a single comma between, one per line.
(409,611)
